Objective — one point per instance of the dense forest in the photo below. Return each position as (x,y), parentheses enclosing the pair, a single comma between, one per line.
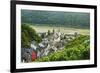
(77,49)
(54,18)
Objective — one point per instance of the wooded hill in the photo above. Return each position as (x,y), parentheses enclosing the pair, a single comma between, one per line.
(54,18)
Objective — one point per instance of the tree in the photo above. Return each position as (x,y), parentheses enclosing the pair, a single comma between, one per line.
(28,34)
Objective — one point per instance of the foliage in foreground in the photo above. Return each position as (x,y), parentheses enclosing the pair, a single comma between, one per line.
(27,35)
(77,49)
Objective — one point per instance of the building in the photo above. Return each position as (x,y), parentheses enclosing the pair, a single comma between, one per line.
(28,54)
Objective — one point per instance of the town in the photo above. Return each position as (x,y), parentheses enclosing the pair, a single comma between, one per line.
(51,42)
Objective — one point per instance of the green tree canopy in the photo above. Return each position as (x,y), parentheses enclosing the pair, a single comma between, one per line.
(28,34)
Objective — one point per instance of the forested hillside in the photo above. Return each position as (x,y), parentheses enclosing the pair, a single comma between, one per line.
(54,18)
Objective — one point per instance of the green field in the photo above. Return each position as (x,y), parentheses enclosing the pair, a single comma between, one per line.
(65,30)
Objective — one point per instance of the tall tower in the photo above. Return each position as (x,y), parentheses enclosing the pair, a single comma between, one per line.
(53,31)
